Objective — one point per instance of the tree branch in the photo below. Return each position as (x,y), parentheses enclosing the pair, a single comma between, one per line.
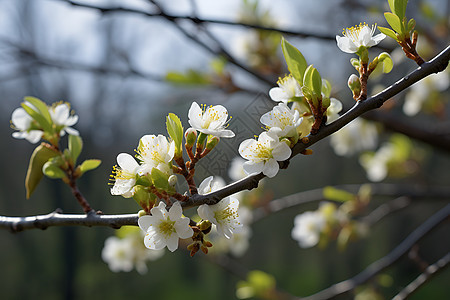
(423,278)
(56,218)
(381,264)
(438,64)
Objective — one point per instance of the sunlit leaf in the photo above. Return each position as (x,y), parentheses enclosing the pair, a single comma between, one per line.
(40,156)
(295,60)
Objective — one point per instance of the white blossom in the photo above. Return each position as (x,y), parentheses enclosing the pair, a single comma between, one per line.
(236,170)
(359,135)
(210,184)
(128,252)
(223,214)
(333,110)
(22,121)
(307,228)
(358,36)
(155,152)
(282,120)
(422,91)
(212,121)
(376,165)
(124,175)
(263,154)
(164,228)
(288,88)
(61,117)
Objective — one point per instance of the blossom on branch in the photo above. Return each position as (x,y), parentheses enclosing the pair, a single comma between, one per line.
(23,122)
(155,152)
(124,175)
(61,117)
(164,228)
(212,120)
(358,36)
(263,154)
(288,88)
(307,228)
(282,120)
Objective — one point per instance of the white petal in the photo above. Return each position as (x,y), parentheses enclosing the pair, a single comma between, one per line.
(245,145)
(34,136)
(175,211)
(21,119)
(183,229)
(344,44)
(281,152)
(127,162)
(72,131)
(60,114)
(277,94)
(204,212)
(172,243)
(195,115)
(145,222)
(271,168)
(252,167)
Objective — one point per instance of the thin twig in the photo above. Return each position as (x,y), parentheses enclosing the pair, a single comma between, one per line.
(423,278)
(386,261)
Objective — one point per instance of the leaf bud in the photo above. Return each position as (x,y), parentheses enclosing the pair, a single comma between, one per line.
(212,142)
(190,136)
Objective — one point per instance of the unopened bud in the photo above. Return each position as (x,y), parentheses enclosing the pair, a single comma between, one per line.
(212,142)
(354,84)
(190,136)
(172,180)
(204,225)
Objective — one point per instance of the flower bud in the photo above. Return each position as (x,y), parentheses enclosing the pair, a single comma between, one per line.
(190,136)
(212,142)
(354,84)
(204,225)
(141,213)
(172,180)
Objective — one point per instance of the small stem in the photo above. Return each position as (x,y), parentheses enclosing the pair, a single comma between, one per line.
(77,194)
(363,77)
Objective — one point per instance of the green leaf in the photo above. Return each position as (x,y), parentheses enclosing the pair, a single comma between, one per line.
(400,8)
(411,25)
(52,170)
(38,117)
(160,179)
(75,147)
(40,156)
(89,164)
(392,5)
(394,21)
(175,130)
(295,60)
(387,62)
(191,77)
(335,194)
(313,80)
(389,32)
(326,88)
(41,106)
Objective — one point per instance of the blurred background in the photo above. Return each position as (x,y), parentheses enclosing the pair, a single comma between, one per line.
(124,68)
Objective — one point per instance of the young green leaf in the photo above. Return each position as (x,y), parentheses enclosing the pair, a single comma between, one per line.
(38,117)
(316,82)
(389,32)
(41,106)
(40,156)
(52,170)
(334,194)
(387,62)
(295,61)
(175,130)
(160,179)
(89,164)
(394,21)
(326,88)
(75,147)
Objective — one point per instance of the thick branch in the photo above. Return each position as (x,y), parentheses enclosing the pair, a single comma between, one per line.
(438,64)
(381,264)
(16,224)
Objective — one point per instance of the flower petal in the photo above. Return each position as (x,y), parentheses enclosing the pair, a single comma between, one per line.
(271,168)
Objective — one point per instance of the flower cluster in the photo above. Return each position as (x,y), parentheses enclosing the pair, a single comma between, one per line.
(125,251)
(36,120)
